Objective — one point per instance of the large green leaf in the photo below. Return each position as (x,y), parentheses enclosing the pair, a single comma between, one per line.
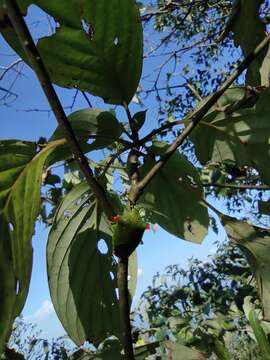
(21,168)
(242,135)
(255,243)
(97,46)
(95,129)
(172,199)
(245,20)
(82,280)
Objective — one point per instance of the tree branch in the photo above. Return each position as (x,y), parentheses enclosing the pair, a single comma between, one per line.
(133,156)
(124,305)
(166,126)
(196,118)
(37,64)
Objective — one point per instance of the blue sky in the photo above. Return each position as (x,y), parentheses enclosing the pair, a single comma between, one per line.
(20,120)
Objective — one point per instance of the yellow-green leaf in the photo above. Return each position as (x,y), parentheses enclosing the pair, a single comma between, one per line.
(21,167)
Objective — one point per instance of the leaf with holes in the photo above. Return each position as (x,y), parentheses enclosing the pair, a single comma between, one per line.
(97,46)
(241,135)
(82,270)
(173,197)
(21,168)
(255,243)
(95,129)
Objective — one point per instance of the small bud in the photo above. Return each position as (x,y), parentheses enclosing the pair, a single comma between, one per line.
(116,218)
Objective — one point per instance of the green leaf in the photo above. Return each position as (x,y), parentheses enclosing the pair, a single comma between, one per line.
(180,352)
(220,350)
(244,20)
(21,168)
(264,207)
(241,136)
(97,46)
(11,354)
(259,335)
(102,128)
(143,351)
(139,119)
(82,280)
(172,199)
(109,350)
(255,243)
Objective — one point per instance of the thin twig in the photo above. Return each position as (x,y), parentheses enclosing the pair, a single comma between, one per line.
(161,129)
(196,118)
(87,99)
(194,91)
(112,160)
(164,88)
(215,210)
(32,53)
(238,187)
(9,67)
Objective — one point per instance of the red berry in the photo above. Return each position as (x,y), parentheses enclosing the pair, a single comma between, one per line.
(147,226)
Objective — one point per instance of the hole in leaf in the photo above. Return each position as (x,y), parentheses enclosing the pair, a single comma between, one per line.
(102,246)
(148,144)
(116,41)
(11,226)
(112,275)
(17,287)
(78,202)
(67,214)
(85,205)
(189,226)
(88,29)
(90,141)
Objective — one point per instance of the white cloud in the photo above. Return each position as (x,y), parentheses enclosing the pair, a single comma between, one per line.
(139,272)
(43,312)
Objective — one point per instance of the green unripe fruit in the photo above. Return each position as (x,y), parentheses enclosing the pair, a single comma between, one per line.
(127,233)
